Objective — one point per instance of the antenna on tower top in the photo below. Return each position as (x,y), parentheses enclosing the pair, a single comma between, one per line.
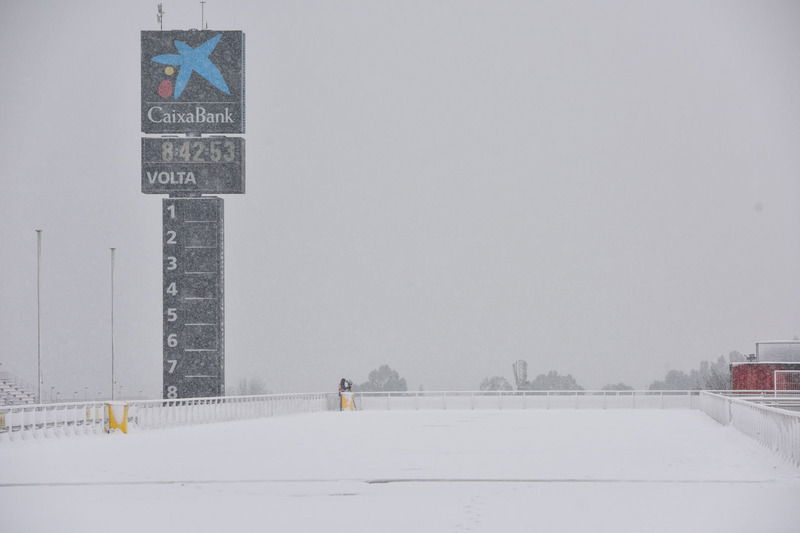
(160,16)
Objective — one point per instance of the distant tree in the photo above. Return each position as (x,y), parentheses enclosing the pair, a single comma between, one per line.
(382,379)
(717,375)
(617,386)
(495,383)
(554,381)
(676,380)
(711,375)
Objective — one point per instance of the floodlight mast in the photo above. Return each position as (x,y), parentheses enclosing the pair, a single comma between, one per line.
(38,317)
(113,381)
(160,16)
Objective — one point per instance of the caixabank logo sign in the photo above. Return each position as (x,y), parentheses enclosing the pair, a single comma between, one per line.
(192,82)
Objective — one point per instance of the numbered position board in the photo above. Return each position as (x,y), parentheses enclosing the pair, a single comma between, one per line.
(209,165)
(194,340)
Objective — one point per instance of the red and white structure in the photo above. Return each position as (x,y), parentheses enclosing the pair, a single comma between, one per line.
(765,375)
(776,368)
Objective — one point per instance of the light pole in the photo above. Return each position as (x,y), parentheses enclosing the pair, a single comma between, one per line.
(38,317)
(112,322)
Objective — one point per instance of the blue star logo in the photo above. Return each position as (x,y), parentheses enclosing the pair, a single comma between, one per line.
(190,60)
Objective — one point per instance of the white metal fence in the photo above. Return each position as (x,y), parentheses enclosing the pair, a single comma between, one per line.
(789,400)
(51,420)
(765,416)
(81,418)
(776,428)
(527,400)
(165,413)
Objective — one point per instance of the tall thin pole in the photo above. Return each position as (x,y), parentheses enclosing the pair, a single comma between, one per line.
(202,15)
(38,317)
(112,323)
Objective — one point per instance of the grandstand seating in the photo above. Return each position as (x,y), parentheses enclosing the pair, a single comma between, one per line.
(13,392)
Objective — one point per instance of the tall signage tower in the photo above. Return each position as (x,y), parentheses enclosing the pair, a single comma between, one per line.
(193,85)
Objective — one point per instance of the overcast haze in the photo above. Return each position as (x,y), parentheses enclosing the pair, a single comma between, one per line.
(607,189)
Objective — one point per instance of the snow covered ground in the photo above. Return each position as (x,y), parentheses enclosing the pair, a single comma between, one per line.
(403,471)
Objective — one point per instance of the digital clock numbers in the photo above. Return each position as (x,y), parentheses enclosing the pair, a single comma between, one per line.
(199,151)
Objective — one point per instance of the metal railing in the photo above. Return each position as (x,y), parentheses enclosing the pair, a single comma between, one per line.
(166,413)
(81,418)
(765,416)
(780,399)
(777,428)
(51,420)
(572,399)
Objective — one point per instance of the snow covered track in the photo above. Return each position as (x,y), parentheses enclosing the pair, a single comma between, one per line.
(429,470)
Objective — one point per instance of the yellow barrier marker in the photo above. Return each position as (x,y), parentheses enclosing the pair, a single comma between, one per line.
(348,402)
(2,420)
(112,423)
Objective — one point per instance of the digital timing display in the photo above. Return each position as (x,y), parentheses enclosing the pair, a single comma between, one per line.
(199,151)
(210,165)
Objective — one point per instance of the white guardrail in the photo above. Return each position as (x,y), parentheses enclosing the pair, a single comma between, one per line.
(756,415)
(773,420)
(581,399)
(81,418)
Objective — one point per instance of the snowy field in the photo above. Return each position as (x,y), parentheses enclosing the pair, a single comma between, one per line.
(407,471)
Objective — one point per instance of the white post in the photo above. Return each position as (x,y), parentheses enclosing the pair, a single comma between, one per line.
(112,324)
(38,317)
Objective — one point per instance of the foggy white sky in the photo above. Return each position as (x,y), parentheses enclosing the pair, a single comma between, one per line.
(608,189)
